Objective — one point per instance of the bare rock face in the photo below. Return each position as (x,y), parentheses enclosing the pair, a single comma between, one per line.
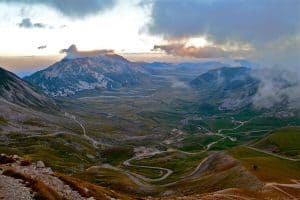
(40,164)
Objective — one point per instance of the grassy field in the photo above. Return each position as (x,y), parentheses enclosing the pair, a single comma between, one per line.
(62,152)
(181,164)
(196,143)
(284,141)
(269,168)
(109,178)
(116,155)
(146,172)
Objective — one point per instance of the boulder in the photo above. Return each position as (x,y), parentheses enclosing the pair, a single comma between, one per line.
(40,164)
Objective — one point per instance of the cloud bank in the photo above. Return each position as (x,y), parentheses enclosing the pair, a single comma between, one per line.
(222,20)
(278,85)
(181,49)
(71,8)
(72,52)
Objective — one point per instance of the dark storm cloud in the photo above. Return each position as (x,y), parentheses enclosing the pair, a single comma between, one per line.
(73,52)
(71,8)
(221,20)
(26,23)
(181,49)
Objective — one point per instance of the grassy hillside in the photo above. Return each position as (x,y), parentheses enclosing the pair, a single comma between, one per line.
(285,141)
(181,164)
(269,168)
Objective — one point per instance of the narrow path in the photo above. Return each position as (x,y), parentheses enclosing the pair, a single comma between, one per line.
(94,142)
(272,154)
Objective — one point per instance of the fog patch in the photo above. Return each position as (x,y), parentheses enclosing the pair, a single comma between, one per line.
(277,85)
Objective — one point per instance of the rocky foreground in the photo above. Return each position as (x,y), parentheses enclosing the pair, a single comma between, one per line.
(21,179)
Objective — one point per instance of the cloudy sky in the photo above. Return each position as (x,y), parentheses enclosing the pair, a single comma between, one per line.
(35,33)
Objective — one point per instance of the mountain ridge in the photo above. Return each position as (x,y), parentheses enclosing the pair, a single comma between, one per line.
(15,90)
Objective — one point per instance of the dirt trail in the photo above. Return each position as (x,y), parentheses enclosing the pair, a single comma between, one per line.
(94,142)
(272,154)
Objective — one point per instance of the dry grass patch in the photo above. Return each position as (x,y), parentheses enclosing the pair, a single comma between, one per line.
(86,189)
(26,160)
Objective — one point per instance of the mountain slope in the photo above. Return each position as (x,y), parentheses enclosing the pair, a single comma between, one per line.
(15,90)
(232,87)
(70,76)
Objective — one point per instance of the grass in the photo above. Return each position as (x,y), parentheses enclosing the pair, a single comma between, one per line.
(33,122)
(234,177)
(261,123)
(270,168)
(2,120)
(284,141)
(224,144)
(107,177)
(196,143)
(64,153)
(223,122)
(86,189)
(43,191)
(149,173)
(116,155)
(181,164)
(26,160)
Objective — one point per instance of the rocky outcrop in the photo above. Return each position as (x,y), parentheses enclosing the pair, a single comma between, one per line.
(35,181)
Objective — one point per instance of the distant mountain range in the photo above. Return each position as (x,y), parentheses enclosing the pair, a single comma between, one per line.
(70,76)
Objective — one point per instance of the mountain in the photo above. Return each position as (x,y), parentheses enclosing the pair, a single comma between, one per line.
(19,92)
(70,76)
(232,87)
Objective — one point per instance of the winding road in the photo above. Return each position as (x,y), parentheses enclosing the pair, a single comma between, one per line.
(167,173)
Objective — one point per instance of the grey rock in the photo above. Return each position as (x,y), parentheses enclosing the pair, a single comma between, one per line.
(40,164)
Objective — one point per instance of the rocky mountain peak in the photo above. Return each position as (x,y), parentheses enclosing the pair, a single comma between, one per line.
(70,76)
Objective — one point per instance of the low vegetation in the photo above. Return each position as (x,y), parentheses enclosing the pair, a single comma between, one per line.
(284,141)
(2,120)
(86,189)
(181,164)
(268,168)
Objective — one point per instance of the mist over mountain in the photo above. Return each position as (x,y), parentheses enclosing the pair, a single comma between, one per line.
(278,84)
